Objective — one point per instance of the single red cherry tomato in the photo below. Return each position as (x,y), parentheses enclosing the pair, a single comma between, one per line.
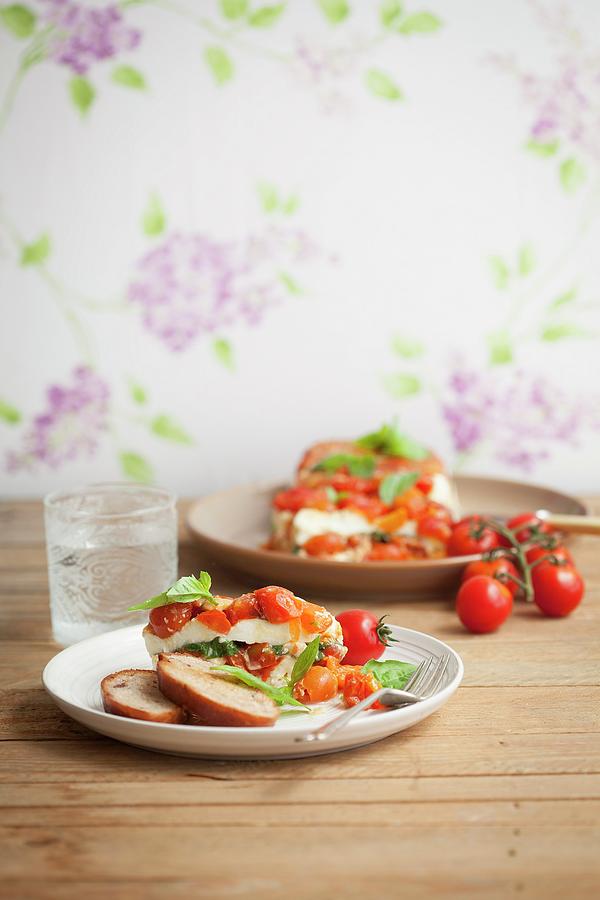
(300,497)
(493,568)
(278,605)
(469,537)
(365,636)
(530,519)
(483,604)
(244,607)
(557,589)
(325,544)
(216,620)
(166,620)
(431,526)
(561,553)
(319,684)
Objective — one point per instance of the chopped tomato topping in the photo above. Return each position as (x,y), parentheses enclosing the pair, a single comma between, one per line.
(425,484)
(315,619)
(370,507)
(431,526)
(244,607)
(438,511)
(413,501)
(299,497)
(237,659)
(392,521)
(325,544)
(381,552)
(340,671)
(319,684)
(260,656)
(351,483)
(358,686)
(295,629)
(277,604)
(216,620)
(166,620)
(334,651)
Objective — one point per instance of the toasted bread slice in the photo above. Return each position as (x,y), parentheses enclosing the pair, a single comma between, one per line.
(134,693)
(214,698)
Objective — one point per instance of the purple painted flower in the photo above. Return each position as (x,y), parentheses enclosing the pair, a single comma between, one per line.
(191,285)
(70,425)
(83,35)
(517,413)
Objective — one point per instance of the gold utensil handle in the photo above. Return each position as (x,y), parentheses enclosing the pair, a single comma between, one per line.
(572,524)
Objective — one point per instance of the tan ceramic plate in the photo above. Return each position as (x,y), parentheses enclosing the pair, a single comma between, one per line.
(230,527)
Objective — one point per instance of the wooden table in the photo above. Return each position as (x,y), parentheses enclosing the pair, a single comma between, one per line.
(496,794)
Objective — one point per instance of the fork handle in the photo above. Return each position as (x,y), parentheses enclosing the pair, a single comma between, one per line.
(384,695)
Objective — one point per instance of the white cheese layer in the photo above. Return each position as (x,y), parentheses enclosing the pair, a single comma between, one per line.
(310,522)
(443,492)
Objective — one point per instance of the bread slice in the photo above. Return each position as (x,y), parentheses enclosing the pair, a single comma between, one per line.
(134,693)
(214,698)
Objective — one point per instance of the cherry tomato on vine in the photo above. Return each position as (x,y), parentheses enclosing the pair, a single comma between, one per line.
(493,568)
(558,589)
(530,519)
(365,636)
(483,604)
(166,620)
(561,553)
(468,536)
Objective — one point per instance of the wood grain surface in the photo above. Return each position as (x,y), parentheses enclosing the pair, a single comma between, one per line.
(496,795)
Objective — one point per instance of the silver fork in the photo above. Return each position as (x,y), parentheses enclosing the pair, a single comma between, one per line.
(423,683)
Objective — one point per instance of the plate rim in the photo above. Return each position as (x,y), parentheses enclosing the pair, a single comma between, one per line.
(258,555)
(216,731)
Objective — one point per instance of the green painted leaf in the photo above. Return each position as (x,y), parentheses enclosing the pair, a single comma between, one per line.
(540,149)
(390,673)
(420,23)
(82,93)
(406,347)
(166,428)
(9,414)
(136,467)
(154,220)
(562,330)
(390,13)
(129,77)
(334,10)
(500,348)
(526,263)
(269,197)
(395,484)
(265,16)
(563,300)
(219,63)
(290,205)
(382,85)
(572,174)
(18,19)
(37,252)
(224,353)
(138,393)
(402,384)
(290,283)
(234,9)
(500,272)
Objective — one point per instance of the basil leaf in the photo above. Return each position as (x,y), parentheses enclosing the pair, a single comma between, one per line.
(183,591)
(359,466)
(213,649)
(281,695)
(332,494)
(390,673)
(305,661)
(395,484)
(389,440)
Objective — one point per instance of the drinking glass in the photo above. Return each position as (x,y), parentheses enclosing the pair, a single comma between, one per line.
(109,546)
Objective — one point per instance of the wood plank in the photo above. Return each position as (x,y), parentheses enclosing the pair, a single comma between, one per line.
(409,754)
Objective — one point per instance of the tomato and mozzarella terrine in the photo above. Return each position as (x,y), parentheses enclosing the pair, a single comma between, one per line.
(380,497)
(263,631)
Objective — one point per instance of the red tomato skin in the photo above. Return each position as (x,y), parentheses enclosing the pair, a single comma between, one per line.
(216,620)
(434,527)
(325,544)
(297,498)
(380,552)
(492,568)
(558,590)
(560,552)
(462,544)
(277,604)
(524,534)
(244,607)
(166,620)
(483,604)
(359,627)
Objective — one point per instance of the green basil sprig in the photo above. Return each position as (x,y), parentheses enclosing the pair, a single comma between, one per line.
(184,590)
(281,695)
(389,440)
(359,466)
(390,673)
(395,484)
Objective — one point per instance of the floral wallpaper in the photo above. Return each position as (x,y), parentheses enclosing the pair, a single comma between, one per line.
(228,229)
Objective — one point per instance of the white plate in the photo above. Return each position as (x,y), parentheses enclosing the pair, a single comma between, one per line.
(72,678)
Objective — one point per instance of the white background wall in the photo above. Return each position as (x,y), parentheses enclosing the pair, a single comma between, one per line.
(404,200)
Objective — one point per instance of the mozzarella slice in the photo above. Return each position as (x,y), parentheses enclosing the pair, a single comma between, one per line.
(310,522)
